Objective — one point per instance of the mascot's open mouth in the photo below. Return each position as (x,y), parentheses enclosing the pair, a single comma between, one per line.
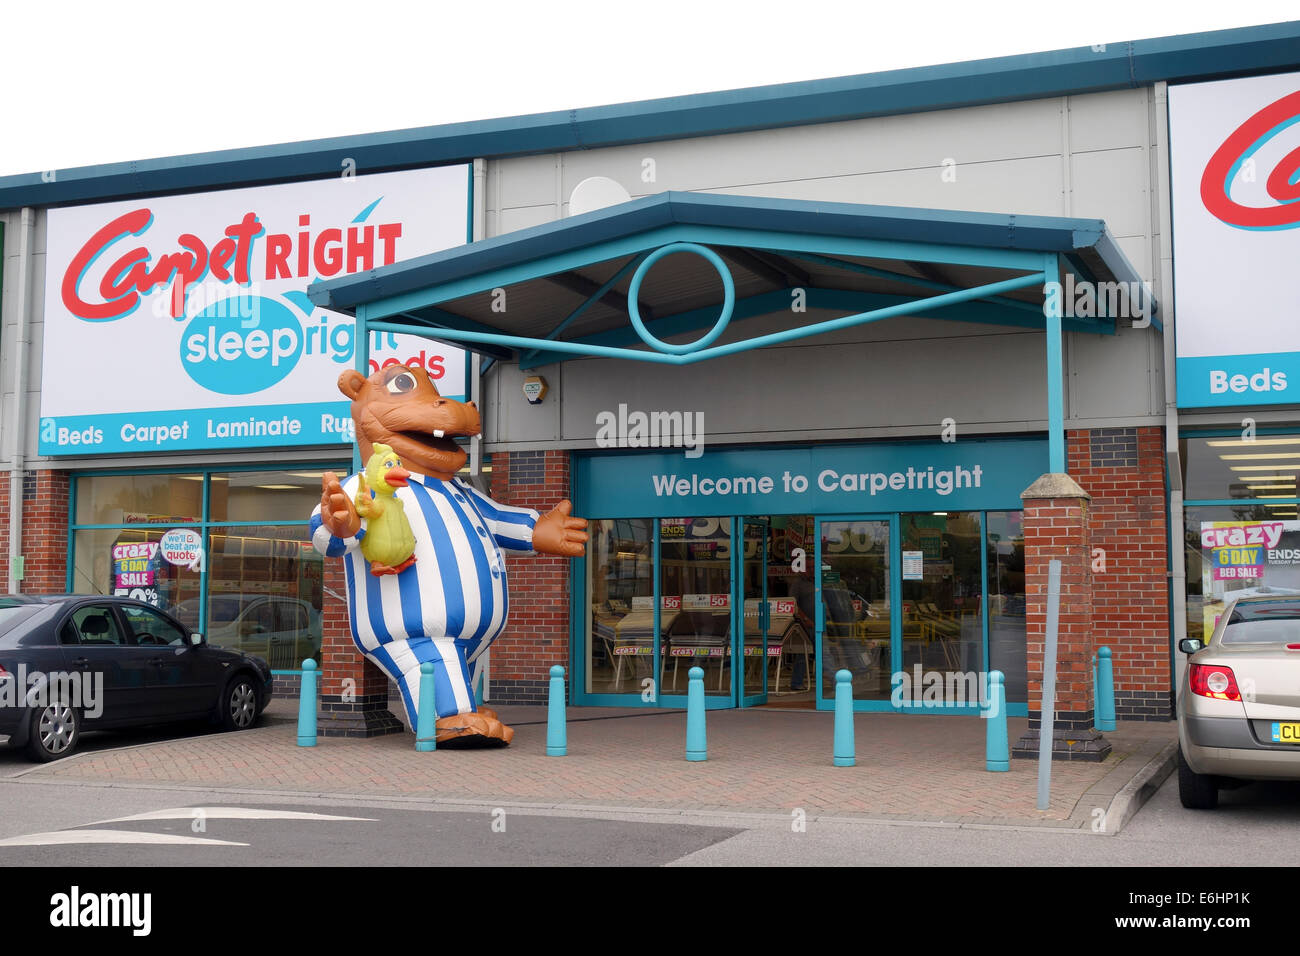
(437,441)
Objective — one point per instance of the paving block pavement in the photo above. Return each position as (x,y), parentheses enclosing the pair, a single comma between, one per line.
(913,767)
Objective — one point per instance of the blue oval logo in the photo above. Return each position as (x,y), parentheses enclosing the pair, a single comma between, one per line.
(242,344)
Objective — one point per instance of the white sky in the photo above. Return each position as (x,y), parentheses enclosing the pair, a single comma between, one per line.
(89,83)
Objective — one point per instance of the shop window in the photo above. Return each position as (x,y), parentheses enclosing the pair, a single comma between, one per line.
(1005,545)
(264,495)
(1234,551)
(264,594)
(260,586)
(620,639)
(128,563)
(139,499)
(1260,466)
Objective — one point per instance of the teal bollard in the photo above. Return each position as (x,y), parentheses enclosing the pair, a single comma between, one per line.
(307,705)
(997,752)
(557,738)
(844,747)
(1105,690)
(427,717)
(697,747)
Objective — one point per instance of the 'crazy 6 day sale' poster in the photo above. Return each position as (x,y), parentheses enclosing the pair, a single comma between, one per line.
(1241,557)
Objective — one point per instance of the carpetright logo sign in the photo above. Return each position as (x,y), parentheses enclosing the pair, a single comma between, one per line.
(183,322)
(1235,163)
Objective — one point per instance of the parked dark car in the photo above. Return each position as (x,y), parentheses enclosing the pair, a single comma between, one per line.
(71,662)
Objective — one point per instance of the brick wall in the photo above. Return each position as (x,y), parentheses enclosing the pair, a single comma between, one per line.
(344,671)
(44,534)
(1123,470)
(537,635)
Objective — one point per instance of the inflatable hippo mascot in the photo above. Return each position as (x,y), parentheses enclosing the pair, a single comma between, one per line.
(450,602)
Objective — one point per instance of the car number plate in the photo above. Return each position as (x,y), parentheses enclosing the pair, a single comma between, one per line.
(1286,733)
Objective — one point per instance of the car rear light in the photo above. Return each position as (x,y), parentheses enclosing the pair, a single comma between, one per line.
(1293,647)
(1214,680)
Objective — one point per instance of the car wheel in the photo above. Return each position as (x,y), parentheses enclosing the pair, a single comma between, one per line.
(55,732)
(1197,791)
(239,704)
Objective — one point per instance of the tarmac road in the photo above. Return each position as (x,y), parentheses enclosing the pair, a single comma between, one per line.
(1257,825)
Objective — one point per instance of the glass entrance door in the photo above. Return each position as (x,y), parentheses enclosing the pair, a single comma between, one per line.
(750,646)
(852,600)
(942,596)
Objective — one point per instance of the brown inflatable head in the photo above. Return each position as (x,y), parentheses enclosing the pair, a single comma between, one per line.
(400,406)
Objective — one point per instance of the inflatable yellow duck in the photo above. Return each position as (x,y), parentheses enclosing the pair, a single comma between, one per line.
(389,544)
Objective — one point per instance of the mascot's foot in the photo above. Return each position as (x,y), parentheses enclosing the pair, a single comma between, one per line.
(481,729)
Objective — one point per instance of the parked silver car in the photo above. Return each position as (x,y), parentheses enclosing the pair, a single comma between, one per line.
(1239,701)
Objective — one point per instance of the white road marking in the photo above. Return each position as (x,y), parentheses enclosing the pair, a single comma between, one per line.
(66,837)
(228,813)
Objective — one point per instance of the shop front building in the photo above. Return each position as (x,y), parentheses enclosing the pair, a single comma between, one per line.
(835,370)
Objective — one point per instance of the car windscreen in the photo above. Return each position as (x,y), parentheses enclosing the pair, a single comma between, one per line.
(1271,622)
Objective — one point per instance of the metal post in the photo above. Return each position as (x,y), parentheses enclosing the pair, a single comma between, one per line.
(426,719)
(307,705)
(1052,309)
(1047,708)
(557,742)
(997,753)
(1105,699)
(697,747)
(844,746)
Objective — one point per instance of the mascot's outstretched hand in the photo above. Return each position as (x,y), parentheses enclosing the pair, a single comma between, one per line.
(337,511)
(557,533)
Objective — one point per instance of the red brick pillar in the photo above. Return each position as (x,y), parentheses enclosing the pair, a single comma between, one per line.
(4,530)
(44,543)
(537,635)
(45,532)
(353,691)
(1056,525)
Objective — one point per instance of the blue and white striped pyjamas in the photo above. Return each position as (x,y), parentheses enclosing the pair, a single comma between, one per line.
(448,606)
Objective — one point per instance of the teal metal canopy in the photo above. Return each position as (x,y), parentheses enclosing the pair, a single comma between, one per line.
(669,279)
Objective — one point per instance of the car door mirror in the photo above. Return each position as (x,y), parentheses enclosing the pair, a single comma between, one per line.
(1189,645)
(197,639)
